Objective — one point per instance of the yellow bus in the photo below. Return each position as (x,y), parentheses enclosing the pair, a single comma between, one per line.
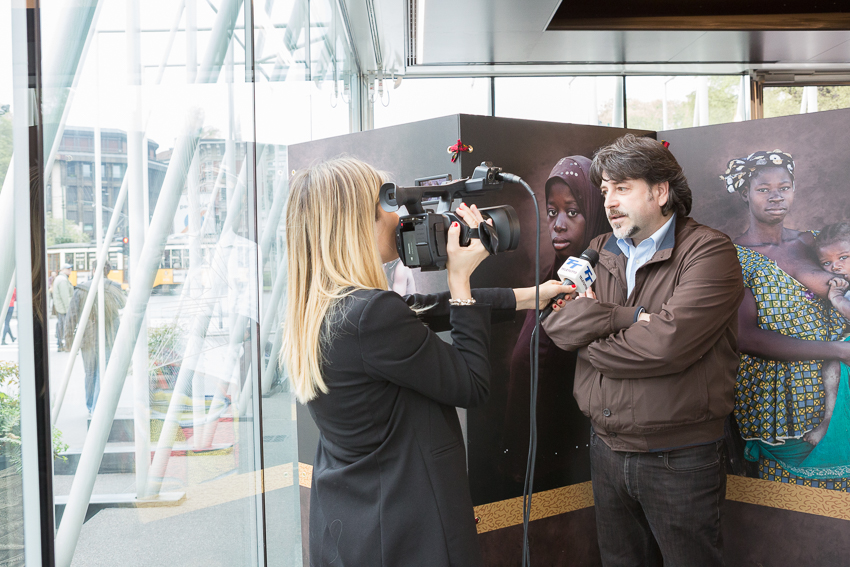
(171,274)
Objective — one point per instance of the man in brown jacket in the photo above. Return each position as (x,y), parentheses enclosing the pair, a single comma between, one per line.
(657,359)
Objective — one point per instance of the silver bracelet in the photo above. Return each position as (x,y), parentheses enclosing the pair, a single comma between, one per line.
(470,301)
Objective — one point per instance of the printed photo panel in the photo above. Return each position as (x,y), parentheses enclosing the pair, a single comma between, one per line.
(778,188)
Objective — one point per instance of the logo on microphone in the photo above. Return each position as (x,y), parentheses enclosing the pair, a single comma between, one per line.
(578,271)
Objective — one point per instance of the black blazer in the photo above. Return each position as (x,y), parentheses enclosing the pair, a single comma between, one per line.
(389,479)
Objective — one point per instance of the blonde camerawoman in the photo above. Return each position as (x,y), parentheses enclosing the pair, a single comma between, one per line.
(389,477)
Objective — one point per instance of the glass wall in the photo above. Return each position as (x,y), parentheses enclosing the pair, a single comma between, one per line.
(420,99)
(149,137)
(165,131)
(785,101)
(11,481)
(596,101)
(306,79)
(669,103)
(651,102)
(163,172)
(295,102)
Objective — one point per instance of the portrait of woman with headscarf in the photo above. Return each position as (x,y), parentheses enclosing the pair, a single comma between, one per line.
(575,215)
(789,337)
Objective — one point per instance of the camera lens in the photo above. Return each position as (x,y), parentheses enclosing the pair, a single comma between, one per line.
(506,223)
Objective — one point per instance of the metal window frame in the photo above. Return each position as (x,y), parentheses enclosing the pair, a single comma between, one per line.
(29,160)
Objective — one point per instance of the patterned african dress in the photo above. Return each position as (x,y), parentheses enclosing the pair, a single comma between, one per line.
(776,402)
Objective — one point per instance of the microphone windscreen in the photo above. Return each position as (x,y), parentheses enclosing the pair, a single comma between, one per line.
(591,256)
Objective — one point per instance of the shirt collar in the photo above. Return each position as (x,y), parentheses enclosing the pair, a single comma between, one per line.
(626,244)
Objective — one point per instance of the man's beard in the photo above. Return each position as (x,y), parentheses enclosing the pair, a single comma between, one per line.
(626,232)
(622,232)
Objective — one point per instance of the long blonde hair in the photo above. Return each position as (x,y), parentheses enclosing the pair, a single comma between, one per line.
(331,251)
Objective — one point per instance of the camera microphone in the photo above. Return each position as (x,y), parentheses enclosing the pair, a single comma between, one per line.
(576,271)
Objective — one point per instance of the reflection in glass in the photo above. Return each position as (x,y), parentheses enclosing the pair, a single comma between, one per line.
(305,72)
(297,103)
(149,138)
(11,488)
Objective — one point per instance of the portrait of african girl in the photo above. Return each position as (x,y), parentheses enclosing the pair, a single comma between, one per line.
(792,401)
(574,215)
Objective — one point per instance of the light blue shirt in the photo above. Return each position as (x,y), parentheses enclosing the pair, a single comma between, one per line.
(641,254)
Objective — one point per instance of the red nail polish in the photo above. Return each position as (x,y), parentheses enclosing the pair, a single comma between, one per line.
(454,224)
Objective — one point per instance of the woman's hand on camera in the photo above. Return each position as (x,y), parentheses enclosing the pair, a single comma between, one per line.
(548,290)
(463,259)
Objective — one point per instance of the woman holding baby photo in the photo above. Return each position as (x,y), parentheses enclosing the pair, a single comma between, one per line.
(792,401)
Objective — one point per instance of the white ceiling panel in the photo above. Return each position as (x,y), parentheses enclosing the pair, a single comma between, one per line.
(762,46)
(838,54)
(472,36)
(611,46)
(796,46)
(491,16)
(447,48)
(485,70)
(723,46)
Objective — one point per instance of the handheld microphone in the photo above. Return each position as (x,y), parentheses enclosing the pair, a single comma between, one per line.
(576,271)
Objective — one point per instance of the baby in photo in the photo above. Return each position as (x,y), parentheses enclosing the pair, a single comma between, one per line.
(832,246)
(833,249)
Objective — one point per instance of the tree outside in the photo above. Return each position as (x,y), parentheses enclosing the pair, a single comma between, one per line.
(60,231)
(5,141)
(645,110)
(785,101)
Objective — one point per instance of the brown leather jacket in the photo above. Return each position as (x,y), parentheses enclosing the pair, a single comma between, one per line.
(669,382)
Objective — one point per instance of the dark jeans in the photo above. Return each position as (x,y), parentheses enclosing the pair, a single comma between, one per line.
(654,506)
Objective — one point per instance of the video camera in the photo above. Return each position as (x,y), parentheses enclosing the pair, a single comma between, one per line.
(421,235)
